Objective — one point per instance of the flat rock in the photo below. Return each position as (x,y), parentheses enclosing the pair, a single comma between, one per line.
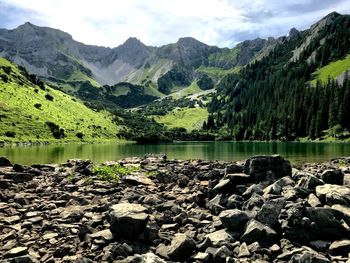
(103,234)
(17,251)
(218,237)
(333,194)
(341,247)
(181,247)
(138,180)
(128,220)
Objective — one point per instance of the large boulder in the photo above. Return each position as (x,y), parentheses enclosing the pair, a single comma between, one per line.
(234,219)
(4,162)
(181,247)
(258,232)
(333,177)
(260,166)
(333,194)
(127,220)
(326,223)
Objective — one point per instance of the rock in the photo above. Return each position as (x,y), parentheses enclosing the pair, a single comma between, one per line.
(234,168)
(19,177)
(223,186)
(234,219)
(333,194)
(313,201)
(259,166)
(222,254)
(270,211)
(256,231)
(127,220)
(216,205)
(17,252)
(4,162)
(333,177)
(144,258)
(219,237)
(326,223)
(309,256)
(276,187)
(202,257)
(239,178)
(234,201)
(181,247)
(243,250)
(23,259)
(103,234)
(138,180)
(340,247)
(308,181)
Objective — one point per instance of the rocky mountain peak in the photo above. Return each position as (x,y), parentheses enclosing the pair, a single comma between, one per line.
(190,42)
(293,32)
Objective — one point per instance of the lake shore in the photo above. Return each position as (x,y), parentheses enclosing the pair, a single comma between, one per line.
(152,209)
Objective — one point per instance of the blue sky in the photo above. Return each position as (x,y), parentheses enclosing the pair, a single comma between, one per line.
(157,22)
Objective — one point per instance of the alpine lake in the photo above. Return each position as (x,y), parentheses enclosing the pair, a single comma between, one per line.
(296,152)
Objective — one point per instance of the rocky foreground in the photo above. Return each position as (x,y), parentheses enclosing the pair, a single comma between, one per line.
(260,210)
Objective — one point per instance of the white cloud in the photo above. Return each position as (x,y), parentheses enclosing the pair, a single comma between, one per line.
(157,22)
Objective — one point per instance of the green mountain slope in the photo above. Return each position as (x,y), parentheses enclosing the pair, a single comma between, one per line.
(273,99)
(32,111)
(332,70)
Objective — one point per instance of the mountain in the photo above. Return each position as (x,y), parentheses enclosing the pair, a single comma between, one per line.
(56,57)
(299,90)
(32,111)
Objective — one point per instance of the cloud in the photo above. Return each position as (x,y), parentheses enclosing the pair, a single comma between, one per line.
(157,22)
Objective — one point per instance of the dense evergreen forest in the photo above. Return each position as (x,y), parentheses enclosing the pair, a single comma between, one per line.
(275,98)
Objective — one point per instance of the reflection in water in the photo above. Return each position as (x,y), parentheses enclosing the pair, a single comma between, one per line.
(226,151)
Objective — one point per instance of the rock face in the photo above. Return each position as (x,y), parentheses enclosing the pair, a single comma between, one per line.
(128,220)
(187,211)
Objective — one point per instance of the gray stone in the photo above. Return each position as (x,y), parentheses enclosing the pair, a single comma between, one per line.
(233,219)
(181,247)
(243,250)
(256,231)
(308,181)
(259,166)
(16,252)
(128,220)
(270,211)
(221,254)
(219,237)
(313,201)
(333,177)
(4,162)
(326,223)
(333,194)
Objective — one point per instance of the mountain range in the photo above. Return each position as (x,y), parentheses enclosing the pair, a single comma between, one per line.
(277,88)
(56,57)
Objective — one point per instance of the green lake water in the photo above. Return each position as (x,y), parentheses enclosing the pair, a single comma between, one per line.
(296,152)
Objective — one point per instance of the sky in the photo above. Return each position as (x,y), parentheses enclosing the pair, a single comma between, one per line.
(223,23)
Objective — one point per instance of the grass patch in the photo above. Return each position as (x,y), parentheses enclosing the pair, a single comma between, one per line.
(332,70)
(21,116)
(188,118)
(190,90)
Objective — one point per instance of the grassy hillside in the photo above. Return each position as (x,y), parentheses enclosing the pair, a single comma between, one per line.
(332,70)
(188,118)
(32,111)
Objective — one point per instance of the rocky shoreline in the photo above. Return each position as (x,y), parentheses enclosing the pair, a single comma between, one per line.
(259,210)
